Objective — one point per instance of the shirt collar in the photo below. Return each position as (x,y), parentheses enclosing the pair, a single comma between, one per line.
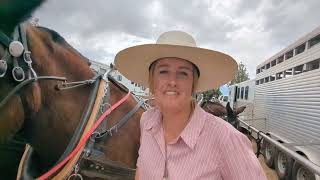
(192,131)
(155,120)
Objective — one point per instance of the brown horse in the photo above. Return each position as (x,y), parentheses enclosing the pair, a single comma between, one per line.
(214,108)
(225,112)
(47,118)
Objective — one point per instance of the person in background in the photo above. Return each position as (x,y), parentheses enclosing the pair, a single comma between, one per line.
(179,140)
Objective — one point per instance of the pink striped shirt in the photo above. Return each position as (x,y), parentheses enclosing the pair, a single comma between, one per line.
(208,148)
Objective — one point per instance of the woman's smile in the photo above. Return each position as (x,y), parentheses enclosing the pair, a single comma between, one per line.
(171,93)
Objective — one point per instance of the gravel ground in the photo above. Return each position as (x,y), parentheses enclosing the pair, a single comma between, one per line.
(271,174)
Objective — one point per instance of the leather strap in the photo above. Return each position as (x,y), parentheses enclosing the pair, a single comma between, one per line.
(69,167)
(4,39)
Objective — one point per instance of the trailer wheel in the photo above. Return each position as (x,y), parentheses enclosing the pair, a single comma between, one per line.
(283,165)
(301,173)
(269,154)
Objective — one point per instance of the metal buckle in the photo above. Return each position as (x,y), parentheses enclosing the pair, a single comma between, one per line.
(16,72)
(3,67)
(75,175)
(27,57)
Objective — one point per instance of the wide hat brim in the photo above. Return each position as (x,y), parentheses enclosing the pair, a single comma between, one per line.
(215,68)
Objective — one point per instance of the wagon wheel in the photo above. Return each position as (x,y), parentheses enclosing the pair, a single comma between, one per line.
(269,154)
(283,165)
(301,173)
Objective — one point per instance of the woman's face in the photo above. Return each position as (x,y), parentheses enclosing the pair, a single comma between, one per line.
(172,82)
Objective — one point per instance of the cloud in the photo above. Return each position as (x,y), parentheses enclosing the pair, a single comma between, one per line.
(251,31)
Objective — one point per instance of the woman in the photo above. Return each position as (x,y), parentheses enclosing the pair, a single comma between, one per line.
(179,140)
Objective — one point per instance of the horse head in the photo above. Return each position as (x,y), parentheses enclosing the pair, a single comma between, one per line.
(214,108)
(232,115)
(48,117)
(12,114)
(38,107)
(226,113)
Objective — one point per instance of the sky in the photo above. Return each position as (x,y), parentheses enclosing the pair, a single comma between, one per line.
(250,31)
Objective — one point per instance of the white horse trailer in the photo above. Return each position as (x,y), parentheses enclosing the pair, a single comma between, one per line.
(242,94)
(287,102)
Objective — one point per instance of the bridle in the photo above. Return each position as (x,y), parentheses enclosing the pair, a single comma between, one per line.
(18,55)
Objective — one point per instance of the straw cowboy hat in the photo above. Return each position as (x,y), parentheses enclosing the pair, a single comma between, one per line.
(215,68)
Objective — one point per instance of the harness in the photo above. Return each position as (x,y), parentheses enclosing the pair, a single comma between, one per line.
(89,161)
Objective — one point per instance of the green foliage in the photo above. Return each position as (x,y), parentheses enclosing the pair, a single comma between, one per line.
(242,74)
(209,94)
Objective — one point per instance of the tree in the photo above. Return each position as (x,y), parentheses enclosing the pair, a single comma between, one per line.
(211,93)
(241,75)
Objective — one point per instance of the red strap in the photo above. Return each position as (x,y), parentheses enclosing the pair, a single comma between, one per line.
(83,140)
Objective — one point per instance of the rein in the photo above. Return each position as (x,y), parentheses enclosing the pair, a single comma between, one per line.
(16,89)
(84,139)
(85,116)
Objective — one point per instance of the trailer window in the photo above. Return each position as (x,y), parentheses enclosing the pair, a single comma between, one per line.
(300,48)
(272,77)
(242,91)
(298,69)
(312,65)
(246,93)
(279,75)
(288,73)
(289,54)
(262,81)
(315,40)
(273,63)
(268,66)
(280,59)
(238,92)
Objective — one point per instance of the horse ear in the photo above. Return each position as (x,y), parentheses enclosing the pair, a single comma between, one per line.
(33,97)
(240,110)
(230,112)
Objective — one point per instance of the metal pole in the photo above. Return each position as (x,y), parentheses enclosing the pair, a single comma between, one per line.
(302,160)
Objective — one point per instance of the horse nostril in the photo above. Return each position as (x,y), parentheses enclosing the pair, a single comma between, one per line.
(3,67)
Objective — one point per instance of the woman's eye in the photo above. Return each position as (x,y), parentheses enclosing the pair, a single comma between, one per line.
(183,73)
(163,72)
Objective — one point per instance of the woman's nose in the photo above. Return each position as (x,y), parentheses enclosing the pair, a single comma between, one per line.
(172,80)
